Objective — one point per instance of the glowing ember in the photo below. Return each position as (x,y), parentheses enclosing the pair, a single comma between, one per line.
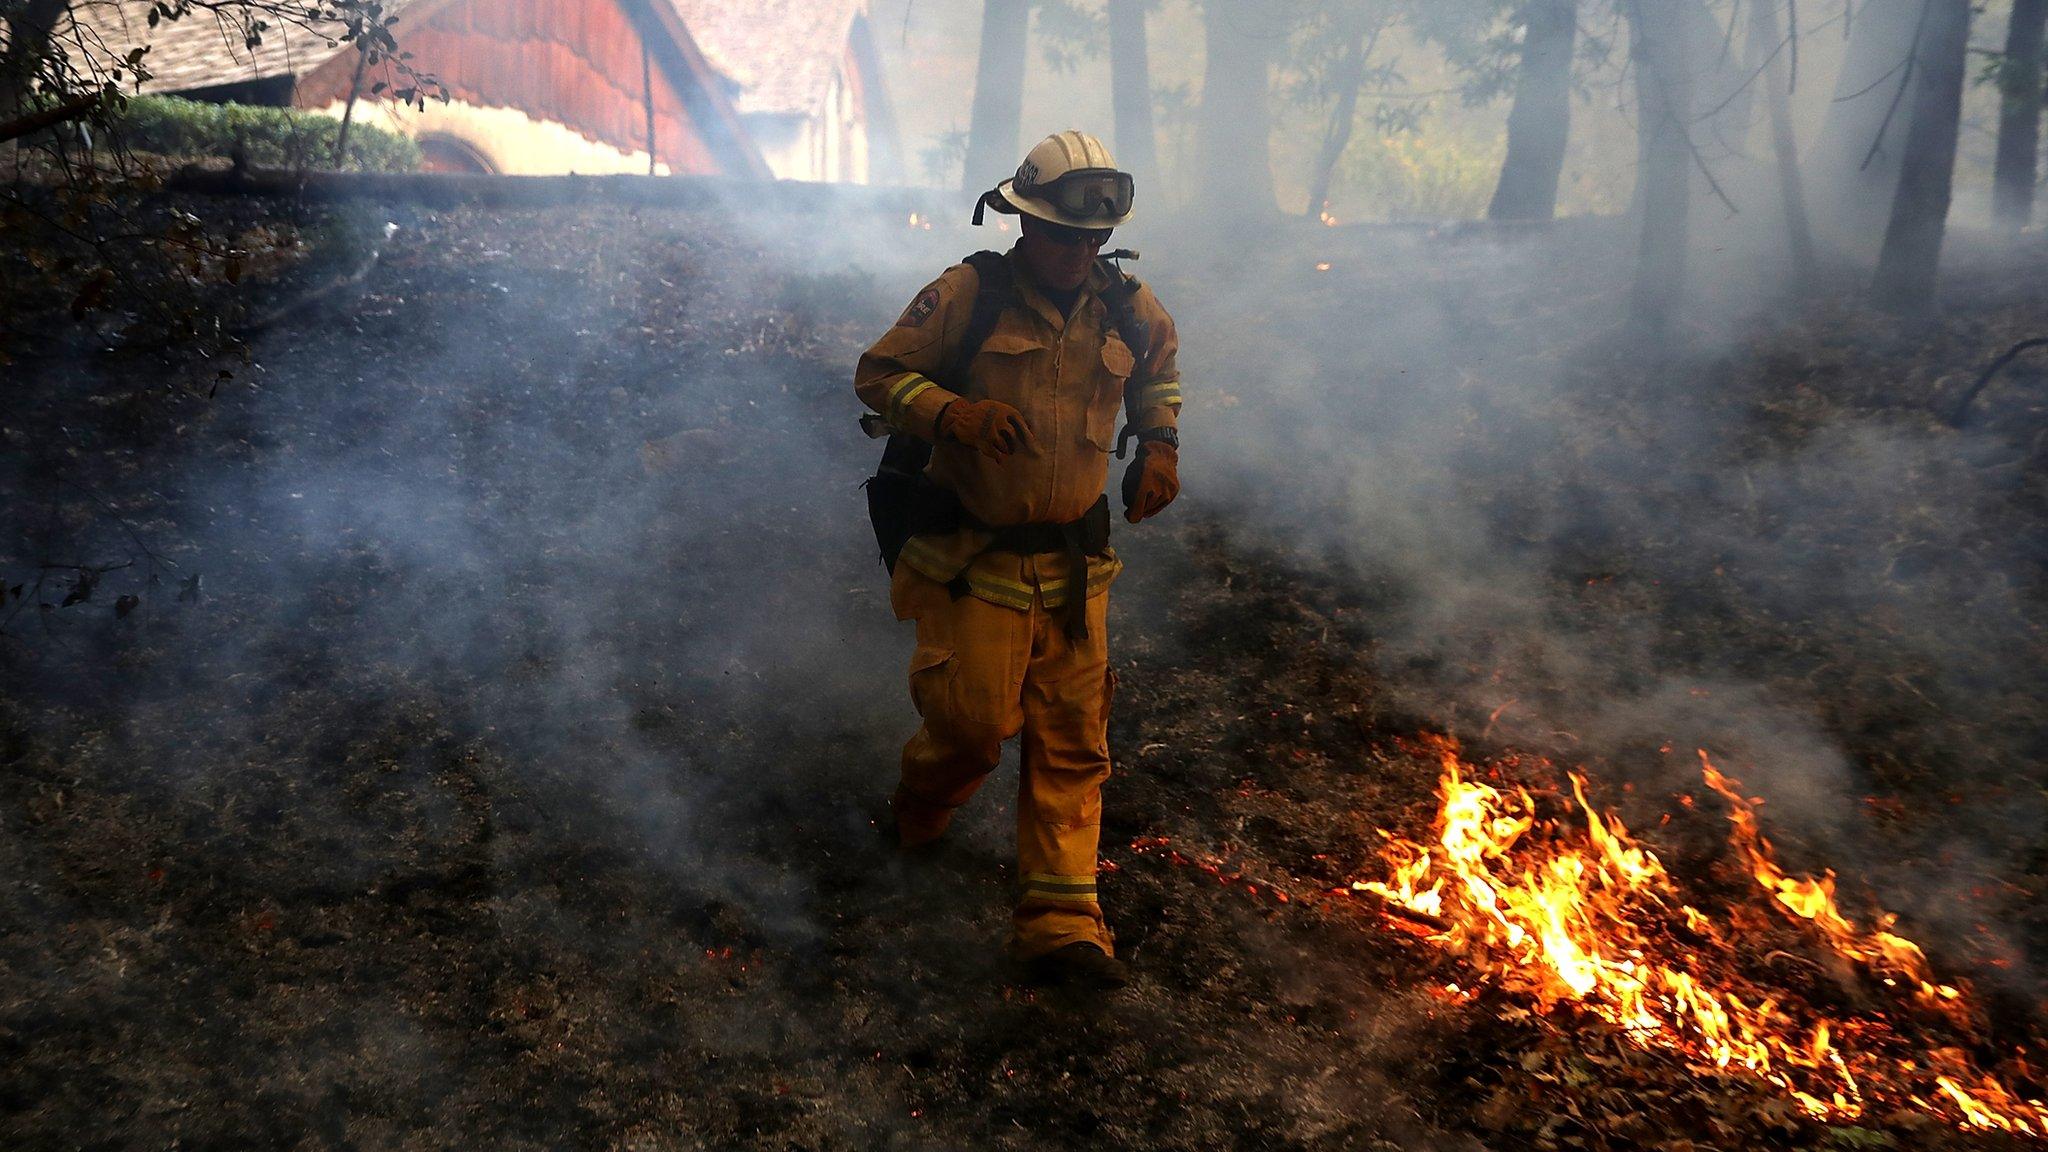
(1589,916)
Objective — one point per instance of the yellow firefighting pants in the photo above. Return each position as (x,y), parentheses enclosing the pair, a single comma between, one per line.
(981,674)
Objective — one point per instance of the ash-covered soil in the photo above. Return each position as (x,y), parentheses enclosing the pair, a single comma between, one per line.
(491,752)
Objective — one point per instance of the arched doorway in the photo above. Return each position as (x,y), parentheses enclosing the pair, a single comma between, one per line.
(440,152)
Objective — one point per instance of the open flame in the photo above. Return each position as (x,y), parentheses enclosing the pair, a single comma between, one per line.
(1547,910)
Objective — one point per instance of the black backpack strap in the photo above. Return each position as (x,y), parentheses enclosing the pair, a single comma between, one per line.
(901,502)
(1120,298)
(997,291)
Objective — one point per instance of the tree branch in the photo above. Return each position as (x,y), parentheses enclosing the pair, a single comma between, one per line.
(1969,397)
(1905,82)
(1792,34)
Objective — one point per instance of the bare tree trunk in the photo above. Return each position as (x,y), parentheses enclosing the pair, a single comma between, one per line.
(30,26)
(1130,90)
(1235,145)
(998,112)
(1349,75)
(1664,88)
(1772,44)
(1908,267)
(1721,87)
(1855,159)
(355,92)
(647,103)
(2019,117)
(1540,124)
(1695,45)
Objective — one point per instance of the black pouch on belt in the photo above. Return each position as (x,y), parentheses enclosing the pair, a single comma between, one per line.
(902,503)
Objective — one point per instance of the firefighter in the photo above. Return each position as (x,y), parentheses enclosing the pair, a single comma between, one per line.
(1010,593)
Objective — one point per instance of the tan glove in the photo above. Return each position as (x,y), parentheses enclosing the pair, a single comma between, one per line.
(1152,480)
(990,427)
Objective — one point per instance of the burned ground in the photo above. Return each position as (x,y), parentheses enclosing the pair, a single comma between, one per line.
(491,754)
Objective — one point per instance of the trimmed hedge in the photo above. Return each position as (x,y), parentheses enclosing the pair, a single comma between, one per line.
(272,137)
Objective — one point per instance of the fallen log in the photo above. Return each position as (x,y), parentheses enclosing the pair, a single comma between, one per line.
(49,117)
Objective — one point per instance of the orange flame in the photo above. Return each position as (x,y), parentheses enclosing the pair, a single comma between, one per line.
(1814,900)
(1597,921)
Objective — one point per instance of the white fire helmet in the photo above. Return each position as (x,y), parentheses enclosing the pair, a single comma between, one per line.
(1070,179)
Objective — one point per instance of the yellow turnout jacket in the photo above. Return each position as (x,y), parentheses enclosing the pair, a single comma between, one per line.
(1069,375)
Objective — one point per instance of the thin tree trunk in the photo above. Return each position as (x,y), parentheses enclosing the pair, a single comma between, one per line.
(998,112)
(1855,159)
(1236,124)
(1695,41)
(1349,76)
(348,110)
(1721,88)
(2019,117)
(1664,86)
(1540,124)
(1740,115)
(1771,43)
(647,99)
(1908,266)
(1130,90)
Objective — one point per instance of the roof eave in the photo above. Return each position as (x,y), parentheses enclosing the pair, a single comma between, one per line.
(699,87)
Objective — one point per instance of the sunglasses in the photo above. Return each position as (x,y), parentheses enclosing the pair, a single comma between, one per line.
(1073,237)
(1086,192)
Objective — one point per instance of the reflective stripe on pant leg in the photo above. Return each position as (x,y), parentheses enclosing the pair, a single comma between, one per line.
(1059,889)
(1059,803)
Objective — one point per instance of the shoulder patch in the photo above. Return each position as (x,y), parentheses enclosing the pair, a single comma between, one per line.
(920,309)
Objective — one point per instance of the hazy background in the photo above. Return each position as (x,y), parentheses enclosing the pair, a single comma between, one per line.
(1444,167)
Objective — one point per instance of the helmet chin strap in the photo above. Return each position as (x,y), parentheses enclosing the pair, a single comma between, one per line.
(981,204)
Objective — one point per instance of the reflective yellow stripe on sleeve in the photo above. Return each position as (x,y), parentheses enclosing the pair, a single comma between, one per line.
(1159,395)
(902,393)
(1059,889)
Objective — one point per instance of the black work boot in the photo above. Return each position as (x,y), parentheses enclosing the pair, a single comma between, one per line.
(1079,965)
(891,840)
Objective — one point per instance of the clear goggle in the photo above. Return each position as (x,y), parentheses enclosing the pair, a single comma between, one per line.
(1085,193)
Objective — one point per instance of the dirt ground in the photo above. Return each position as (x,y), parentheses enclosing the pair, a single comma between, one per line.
(491,752)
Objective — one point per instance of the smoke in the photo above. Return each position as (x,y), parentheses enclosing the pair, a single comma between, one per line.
(586,504)
(1862,143)
(581,523)
(1747,539)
